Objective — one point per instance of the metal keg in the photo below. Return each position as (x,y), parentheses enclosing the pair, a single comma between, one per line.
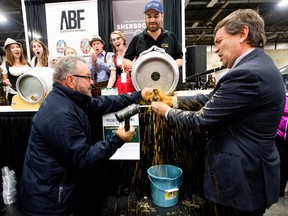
(156,69)
(35,85)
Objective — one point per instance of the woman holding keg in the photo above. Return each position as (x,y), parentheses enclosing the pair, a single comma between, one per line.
(13,67)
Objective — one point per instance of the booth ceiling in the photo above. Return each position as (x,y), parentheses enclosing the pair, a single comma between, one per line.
(200,19)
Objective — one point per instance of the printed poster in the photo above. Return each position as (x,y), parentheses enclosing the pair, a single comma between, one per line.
(128,17)
(71,24)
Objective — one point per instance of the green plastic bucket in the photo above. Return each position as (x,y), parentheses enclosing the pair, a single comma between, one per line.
(165,182)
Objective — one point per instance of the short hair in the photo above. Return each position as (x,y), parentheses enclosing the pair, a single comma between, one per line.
(234,23)
(66,65)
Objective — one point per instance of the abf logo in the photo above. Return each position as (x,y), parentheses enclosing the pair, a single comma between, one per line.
(71,19)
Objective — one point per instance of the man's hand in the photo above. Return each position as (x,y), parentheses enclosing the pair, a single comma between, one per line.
(160,108)
(165,98)
(147,94)
(6,82)
(93,57)
(53,59)
(126,136)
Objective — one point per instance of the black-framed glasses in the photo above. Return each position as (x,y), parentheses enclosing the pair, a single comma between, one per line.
(82,76)
(115,39)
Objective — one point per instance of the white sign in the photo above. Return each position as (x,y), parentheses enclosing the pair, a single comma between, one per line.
(129,151)
(71,24)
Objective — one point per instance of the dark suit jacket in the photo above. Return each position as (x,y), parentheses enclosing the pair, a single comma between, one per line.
(241,114)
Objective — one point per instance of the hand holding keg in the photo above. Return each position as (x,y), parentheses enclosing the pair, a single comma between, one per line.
(6,82)
(160,108)
(147,94)
(158,95)
(162,97)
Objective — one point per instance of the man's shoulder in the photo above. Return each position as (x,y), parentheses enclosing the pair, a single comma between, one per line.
(139,35)
(168,33)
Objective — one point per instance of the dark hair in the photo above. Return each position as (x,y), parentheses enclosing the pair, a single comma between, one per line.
(235,22)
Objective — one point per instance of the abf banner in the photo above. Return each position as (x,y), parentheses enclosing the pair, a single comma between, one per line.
(71,24)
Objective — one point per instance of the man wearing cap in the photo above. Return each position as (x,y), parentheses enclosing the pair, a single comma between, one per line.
(100,65)
(154,34)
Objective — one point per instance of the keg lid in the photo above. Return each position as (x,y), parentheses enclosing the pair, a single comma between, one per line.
(31,90)
(156,69)
(34,85)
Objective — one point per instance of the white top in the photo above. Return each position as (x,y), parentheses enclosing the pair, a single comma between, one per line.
(33,62)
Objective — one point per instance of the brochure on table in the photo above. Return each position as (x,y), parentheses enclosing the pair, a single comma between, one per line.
(131,150)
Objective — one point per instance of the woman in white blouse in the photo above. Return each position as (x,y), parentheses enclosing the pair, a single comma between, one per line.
(13,67)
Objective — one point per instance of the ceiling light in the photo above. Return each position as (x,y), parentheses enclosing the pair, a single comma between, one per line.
(195,24)
(212,3)
(283,3)
(34,35)
(2,18)
(272,36)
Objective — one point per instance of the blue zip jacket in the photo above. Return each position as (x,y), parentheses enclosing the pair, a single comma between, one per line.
(60,151)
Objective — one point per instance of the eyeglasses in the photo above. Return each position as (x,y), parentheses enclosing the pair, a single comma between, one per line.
(115,39)
(82,76)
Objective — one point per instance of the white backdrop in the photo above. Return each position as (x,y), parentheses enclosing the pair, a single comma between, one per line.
(71,24)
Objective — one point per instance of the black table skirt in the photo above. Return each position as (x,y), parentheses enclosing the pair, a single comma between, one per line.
(14,134)
(120,178)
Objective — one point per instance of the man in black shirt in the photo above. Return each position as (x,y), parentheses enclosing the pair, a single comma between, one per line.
(153,35)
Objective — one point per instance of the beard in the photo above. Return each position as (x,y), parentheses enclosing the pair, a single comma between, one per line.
(85,91)
(153,28)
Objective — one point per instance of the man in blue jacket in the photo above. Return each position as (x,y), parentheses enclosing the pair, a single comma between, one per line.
(60,151)
(241,115)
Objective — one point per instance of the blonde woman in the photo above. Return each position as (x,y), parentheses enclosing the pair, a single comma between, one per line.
(69,51)
(123,75)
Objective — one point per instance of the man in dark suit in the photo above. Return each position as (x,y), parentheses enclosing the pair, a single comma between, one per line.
(241,115)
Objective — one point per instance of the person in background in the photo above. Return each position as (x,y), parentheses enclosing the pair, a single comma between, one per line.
(41,56)
(69,51)
(241,115)
(282,146)
(154,34)
(3,98)
(60,154)
(122,76)
(100,65)
(13,67)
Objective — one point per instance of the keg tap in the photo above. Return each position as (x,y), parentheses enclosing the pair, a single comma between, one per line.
(125,115)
